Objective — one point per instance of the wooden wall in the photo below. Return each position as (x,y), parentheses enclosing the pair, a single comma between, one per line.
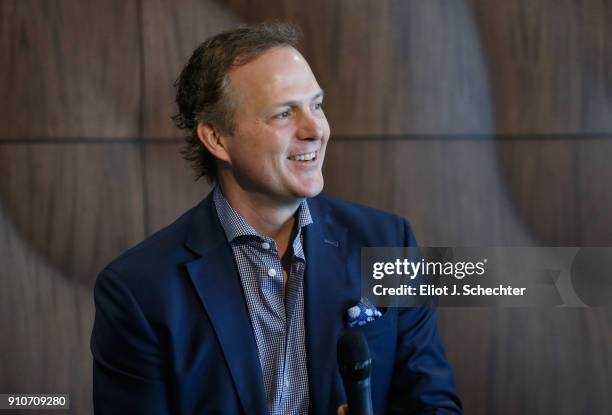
(484,123)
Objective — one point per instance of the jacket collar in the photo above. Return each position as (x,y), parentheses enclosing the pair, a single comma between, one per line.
(216,280)
(326,289)
(326,283)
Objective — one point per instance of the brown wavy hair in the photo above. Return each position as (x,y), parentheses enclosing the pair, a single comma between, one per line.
(202,88)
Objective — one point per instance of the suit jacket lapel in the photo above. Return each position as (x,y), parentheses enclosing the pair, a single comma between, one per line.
(326,286)
(217,282)
(328,292)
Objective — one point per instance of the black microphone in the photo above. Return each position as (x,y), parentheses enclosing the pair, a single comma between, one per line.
(355,366)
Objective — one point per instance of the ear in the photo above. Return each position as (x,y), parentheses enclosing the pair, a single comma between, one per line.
(213,140)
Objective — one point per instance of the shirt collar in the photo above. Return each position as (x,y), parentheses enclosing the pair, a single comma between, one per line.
(234,224)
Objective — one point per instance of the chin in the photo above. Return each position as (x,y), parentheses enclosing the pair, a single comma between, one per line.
(305,187)
(311,190)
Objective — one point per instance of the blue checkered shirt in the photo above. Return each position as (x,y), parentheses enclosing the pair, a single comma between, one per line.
(278,324)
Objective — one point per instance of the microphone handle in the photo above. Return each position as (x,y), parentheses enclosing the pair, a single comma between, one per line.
(359,397)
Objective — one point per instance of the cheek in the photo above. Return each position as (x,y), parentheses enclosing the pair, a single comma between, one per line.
(325,142)
(325,124)
(258,153)
(272,144)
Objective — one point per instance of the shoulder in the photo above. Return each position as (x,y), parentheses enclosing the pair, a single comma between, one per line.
(372,226)
(158,255)
(345,207)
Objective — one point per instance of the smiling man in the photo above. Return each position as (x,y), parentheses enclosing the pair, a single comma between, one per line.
(237,306)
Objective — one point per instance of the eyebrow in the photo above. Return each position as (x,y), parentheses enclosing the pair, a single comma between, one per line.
(293,103)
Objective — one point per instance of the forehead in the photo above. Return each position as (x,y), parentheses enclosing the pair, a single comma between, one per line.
(279,73)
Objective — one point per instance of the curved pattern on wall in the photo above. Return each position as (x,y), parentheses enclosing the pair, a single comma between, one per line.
(551,72)
(418,95)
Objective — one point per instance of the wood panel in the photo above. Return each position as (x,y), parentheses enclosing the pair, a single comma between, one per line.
(530,361)
(171,31)
(416,68)
(70,68)
(561,187)
(549,63)
(550,70)
(76,206)
(45,323)
(505,192)
(450,190)
(170,187)
(76,69)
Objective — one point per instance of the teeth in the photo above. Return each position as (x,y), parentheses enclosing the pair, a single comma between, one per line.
(304,157)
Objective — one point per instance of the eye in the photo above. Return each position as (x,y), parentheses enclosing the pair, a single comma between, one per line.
(283,115)
(318,106)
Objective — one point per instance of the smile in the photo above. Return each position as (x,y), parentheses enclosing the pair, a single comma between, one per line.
(304,157)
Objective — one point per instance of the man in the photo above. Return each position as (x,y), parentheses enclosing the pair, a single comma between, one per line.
(237,306)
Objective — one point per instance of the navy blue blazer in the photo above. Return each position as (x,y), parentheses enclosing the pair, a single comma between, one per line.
(172,333)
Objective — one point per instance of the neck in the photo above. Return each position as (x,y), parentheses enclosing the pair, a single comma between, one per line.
(269,217)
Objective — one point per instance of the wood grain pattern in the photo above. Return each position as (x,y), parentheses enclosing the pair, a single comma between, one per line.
(76,69)
(549,63)
(45,323)
(417,68)
(450,190)
(508,192)
(171,31)
(443,67)
(70,68)
(530,361)
(550,70)
(169,184)
(76,205)
(561,188)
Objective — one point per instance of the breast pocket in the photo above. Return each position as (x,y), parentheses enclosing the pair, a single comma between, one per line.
(384,325)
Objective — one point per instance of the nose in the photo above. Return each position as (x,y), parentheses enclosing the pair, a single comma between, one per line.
(311,126)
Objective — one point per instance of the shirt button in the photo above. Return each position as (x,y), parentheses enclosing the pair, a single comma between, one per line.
(265,245)
(272,272)
(286,383)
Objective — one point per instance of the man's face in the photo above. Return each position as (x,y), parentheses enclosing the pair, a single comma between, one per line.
(278,145)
